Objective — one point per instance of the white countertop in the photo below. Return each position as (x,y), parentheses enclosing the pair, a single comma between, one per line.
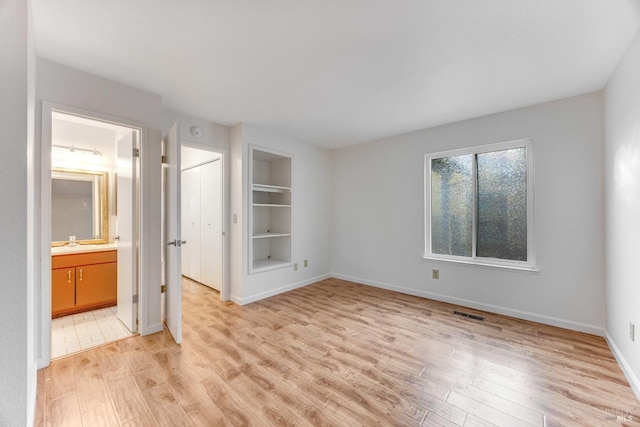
(65,250)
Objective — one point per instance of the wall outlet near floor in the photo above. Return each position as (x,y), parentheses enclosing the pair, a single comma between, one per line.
(632,331)
(306,263)
(435,274)
(295,267)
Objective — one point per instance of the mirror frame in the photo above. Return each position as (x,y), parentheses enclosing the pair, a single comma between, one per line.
(104,206)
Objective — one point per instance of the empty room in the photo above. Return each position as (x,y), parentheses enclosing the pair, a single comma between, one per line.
(418,213)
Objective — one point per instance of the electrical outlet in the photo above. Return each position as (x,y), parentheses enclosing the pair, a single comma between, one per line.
(435,274)
(235,218)
(632,331)
(306,263)
(295,267)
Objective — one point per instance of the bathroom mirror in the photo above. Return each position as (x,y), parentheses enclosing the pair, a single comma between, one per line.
(79,207)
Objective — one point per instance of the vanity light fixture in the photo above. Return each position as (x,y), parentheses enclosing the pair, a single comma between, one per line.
(75,149)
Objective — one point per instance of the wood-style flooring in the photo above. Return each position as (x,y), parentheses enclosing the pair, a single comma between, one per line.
(336,353)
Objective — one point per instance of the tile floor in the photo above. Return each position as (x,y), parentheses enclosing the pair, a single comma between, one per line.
(78,332)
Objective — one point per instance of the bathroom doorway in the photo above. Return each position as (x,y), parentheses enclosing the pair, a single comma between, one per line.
(91,190)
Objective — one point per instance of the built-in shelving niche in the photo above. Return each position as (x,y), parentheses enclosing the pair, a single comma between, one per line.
(270,244)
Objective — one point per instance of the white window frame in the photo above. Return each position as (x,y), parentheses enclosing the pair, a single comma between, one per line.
(530,264)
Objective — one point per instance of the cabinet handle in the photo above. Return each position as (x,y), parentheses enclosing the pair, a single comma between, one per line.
(69,276)
(81,275)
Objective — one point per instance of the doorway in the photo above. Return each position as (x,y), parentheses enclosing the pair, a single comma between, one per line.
(201,216)
(211,191)
(91,196)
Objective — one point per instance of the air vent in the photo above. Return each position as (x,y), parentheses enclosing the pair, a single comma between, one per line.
(469,316)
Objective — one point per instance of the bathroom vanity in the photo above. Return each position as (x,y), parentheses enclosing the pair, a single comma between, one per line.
(83,278)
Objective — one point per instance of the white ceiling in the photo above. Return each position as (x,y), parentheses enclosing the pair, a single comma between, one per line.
(340,72)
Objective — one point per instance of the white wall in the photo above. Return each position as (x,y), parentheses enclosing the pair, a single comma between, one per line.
(237,222)
(17,369)
(622,170)
(311,192)
(214,135)
(66,86)
(378,214)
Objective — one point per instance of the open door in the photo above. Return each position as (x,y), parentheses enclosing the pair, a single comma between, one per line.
(126,204)
(173,244)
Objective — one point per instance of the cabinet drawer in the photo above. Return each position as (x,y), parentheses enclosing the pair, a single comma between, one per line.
(72,260)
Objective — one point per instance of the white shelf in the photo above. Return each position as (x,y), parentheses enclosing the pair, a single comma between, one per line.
(267,235)
(270,188)
(270,205)
(269,264)
(271,199)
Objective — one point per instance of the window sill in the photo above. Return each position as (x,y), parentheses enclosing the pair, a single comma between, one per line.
(486,265)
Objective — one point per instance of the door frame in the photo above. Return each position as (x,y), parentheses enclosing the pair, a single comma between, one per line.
(225,293)
(44,325)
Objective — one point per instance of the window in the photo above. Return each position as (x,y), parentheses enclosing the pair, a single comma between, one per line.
(479,205)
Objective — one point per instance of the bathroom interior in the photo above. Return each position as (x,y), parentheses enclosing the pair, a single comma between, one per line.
(93,198)
(92,226)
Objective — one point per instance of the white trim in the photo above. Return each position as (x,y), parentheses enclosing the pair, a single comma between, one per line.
(48,108)
(152,329)
(624,365)
(530,264)
(519,314)
(464,261)
(267,294)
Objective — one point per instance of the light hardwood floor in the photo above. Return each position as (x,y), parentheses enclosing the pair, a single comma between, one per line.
(343,354)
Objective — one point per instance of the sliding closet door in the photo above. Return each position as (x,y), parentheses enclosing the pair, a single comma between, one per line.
(191,206)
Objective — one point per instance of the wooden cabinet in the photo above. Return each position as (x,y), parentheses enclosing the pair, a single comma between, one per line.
(63,290)
(83,281)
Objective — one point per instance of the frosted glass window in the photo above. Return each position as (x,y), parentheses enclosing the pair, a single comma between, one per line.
(452,205)
(479,205)
(502,204)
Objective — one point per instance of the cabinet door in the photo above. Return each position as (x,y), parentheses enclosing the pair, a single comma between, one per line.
(211,221)
(63,290)
(96,284)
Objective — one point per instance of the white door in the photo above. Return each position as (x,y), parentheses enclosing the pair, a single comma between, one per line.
(126,201)
(192,204)
(185,227)
(211,224)
(173,295)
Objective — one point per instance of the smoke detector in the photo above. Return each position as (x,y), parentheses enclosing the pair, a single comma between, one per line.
(196,131)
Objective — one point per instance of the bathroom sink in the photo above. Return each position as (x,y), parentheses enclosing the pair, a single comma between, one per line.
(60,250)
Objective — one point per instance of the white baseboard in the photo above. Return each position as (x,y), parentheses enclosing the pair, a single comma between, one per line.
(626,369)
(539,318)
(32,394)
(152,329)
(267,294)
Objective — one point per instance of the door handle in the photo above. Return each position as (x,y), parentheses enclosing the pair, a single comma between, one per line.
(81,275)
(69,276)
(176,243)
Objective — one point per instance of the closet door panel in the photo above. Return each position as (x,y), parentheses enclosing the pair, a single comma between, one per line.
(196,225)
(211,225)
(185,221)
(191,228)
